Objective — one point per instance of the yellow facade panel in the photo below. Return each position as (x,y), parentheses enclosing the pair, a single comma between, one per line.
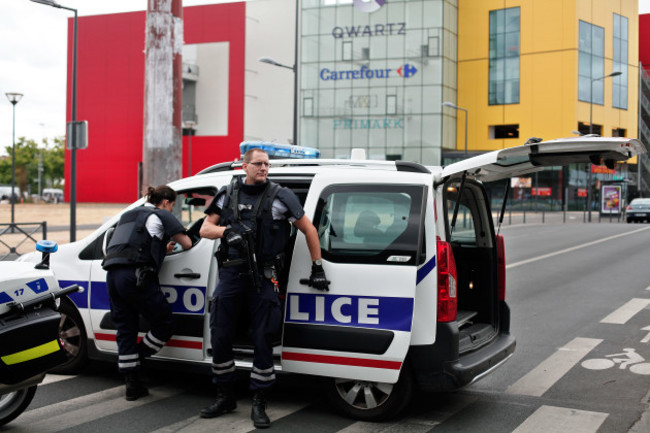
(548,88)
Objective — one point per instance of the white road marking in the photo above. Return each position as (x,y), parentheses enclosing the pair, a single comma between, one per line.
(87,408)
(52,378)
(551,419)
(238,421)
(627,311)
(577,247)
(422,423)
(647,337)
(544,376)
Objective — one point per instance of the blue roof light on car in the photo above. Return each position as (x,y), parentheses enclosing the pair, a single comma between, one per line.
(280,151)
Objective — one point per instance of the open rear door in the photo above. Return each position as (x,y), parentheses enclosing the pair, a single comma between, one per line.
(370,232)
(534,156)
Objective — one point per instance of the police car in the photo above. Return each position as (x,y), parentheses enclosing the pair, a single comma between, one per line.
(417,296)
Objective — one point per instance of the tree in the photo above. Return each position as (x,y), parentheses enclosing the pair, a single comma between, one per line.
(28,153)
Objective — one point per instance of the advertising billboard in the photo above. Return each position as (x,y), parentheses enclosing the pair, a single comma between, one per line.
(610,201)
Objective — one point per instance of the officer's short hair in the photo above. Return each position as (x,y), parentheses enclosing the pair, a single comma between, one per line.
(249,154)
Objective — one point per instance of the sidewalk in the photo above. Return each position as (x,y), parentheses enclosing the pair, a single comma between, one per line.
(89,216)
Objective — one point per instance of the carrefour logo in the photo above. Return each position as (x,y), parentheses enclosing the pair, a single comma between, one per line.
(364,73)
(407,70)
(369,6)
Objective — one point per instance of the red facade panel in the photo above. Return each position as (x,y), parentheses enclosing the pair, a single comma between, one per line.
(110,92)
(644,41)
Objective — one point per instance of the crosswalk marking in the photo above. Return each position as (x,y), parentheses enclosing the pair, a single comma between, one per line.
(238,421)
(422,423)
(80,410)
(627,311)
(52,378)
(551,419)
(542,377)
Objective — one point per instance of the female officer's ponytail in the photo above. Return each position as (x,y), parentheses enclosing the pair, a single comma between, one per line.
(156,195)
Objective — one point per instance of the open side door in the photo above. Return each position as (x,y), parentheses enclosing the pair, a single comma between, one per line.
(534,156)
(370,234)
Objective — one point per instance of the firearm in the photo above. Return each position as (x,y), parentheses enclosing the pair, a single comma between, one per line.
(248,248)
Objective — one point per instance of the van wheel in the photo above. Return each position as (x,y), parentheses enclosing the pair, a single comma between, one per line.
(73,338)
(370,401)
(14,403)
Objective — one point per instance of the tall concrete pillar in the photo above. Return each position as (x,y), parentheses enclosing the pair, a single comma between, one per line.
(162,151)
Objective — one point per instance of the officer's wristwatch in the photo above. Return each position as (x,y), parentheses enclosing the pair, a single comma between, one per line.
(317,262)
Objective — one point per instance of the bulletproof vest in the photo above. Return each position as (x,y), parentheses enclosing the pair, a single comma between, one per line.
(250,207)
(131,244)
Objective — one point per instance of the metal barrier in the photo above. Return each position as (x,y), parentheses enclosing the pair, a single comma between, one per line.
(14,235)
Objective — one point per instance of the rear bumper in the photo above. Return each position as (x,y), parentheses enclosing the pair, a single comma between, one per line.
(438,367)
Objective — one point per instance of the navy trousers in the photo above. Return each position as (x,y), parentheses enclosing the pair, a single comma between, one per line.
(128,302)
(234,291)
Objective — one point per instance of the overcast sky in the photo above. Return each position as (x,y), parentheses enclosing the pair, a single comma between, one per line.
(33,61)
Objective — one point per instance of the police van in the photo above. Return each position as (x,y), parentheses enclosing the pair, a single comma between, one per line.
(417,298)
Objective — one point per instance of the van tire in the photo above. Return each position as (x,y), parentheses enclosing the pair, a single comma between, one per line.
(349,396)
(73,337)
(14,403)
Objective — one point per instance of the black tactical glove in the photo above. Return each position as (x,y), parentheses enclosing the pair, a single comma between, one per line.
(317,279)
(233,239)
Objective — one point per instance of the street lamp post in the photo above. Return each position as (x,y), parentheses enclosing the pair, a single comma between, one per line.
(455,107)
(73,136)
(294,68)
(270,61)
(591,131)
(14,98)
(191,126)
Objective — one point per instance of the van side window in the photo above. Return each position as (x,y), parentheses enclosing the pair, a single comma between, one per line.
(369,224)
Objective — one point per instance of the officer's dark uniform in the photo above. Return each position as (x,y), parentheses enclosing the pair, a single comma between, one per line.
(132,255)
(243,207)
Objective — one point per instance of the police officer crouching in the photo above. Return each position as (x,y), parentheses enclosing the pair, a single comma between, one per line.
(251,217)
(133,258)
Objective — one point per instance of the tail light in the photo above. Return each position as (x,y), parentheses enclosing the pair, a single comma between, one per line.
(628,208)
(447,300)
(501,268)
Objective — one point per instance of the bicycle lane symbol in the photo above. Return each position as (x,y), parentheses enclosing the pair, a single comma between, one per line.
(628,358)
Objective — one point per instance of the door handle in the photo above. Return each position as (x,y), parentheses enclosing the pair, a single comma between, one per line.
(192,275)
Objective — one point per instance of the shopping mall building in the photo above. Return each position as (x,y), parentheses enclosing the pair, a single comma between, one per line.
(403,79)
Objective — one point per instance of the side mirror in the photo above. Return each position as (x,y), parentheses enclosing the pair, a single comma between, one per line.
(107,238)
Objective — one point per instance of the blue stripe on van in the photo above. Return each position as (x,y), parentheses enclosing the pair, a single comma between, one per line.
(426,269)
(80,299)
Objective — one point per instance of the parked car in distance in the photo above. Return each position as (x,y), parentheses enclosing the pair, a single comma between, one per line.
(52,195)
(638,210)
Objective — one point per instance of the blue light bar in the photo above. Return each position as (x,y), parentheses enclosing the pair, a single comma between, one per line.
(46,246)
(280,151)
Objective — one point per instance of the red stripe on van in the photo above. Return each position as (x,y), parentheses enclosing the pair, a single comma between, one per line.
(172,343)
(340,360)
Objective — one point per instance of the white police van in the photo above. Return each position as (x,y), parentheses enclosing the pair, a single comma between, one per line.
(417,293)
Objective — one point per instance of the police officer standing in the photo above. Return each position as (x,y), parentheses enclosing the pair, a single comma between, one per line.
(251,217)
(133,258)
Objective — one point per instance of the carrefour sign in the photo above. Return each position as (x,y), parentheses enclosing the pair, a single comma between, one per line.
(364,73)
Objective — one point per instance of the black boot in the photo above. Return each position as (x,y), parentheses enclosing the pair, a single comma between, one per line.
(258,411)
(134,387)
(224,403)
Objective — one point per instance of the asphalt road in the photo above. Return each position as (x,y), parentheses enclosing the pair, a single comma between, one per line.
(580,308)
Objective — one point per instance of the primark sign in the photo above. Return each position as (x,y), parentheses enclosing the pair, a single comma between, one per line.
(382,123)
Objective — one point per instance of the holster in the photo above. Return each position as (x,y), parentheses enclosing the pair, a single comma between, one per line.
(222,257)
(144,275)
